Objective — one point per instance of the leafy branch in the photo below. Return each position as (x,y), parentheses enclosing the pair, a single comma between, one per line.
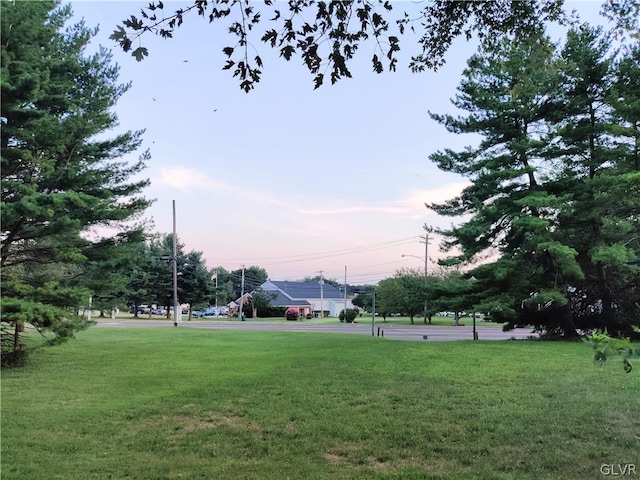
(606,347)
(336,28)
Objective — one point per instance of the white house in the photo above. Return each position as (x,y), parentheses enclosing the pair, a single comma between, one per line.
(308,297)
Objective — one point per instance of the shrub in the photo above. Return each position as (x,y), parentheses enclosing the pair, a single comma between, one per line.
(350,315)
(292,314)
(270,311)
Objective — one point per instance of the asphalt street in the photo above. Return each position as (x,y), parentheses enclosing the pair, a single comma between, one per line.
(405,332)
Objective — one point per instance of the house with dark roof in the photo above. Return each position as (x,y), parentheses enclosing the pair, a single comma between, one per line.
(310,298)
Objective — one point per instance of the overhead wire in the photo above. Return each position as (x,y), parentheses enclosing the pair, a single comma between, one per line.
(377,275)
(329,254)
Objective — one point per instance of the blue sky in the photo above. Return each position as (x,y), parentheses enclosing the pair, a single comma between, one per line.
(288,178)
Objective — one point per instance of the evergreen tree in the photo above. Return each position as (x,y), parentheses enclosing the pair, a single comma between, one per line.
(109,267)
(593,147)
(63,180)
(450,292)
(505,92)
(194,282)
(160,271)
(224,292)
(254,276)
(552,190)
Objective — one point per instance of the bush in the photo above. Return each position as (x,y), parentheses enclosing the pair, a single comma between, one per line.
(350,315)
(292,314)
(14,358)
(269,311)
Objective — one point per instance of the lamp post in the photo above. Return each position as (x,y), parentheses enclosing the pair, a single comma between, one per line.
(426,315)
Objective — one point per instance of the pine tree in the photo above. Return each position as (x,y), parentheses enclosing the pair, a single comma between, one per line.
(506,93)
(63,180)
(554,189)
(595,149)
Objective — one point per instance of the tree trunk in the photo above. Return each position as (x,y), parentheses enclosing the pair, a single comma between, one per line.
(609,313)
(16,338)
(569,330)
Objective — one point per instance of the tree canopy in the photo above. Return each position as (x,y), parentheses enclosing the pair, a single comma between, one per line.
(326,35)
(403,293)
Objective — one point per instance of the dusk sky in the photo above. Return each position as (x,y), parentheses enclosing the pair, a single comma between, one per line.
(288,178)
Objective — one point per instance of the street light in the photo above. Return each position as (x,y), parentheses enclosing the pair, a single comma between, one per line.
(426,315)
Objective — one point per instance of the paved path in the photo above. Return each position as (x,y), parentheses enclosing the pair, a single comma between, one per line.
(405,332)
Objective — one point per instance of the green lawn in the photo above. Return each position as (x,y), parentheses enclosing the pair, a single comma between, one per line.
(164,403)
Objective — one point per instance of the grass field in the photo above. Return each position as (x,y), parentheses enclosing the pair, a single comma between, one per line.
(161,403)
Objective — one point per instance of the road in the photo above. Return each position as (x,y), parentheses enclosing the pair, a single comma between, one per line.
(405,332)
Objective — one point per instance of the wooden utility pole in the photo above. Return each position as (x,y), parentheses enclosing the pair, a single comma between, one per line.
(426,238)
(176,304)
(321,294)
(240,310)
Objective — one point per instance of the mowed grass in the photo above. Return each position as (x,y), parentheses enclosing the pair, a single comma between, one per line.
(172,403)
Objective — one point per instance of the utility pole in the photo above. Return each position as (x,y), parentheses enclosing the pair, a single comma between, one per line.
(216,290)
(176,304)
(321,294)
(345,293)
(240,312)
(373,313)
(426,239)
(90,307)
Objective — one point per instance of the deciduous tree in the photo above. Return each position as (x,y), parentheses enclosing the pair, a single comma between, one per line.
(325,35)
(403,293)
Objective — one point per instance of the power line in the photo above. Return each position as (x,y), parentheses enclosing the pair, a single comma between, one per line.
(329,254)
(351,269)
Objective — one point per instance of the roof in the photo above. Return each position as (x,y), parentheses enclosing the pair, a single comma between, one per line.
(281,300)
(302,290)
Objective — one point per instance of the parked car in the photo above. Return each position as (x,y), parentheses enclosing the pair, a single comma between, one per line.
(141,309)
(197,314)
